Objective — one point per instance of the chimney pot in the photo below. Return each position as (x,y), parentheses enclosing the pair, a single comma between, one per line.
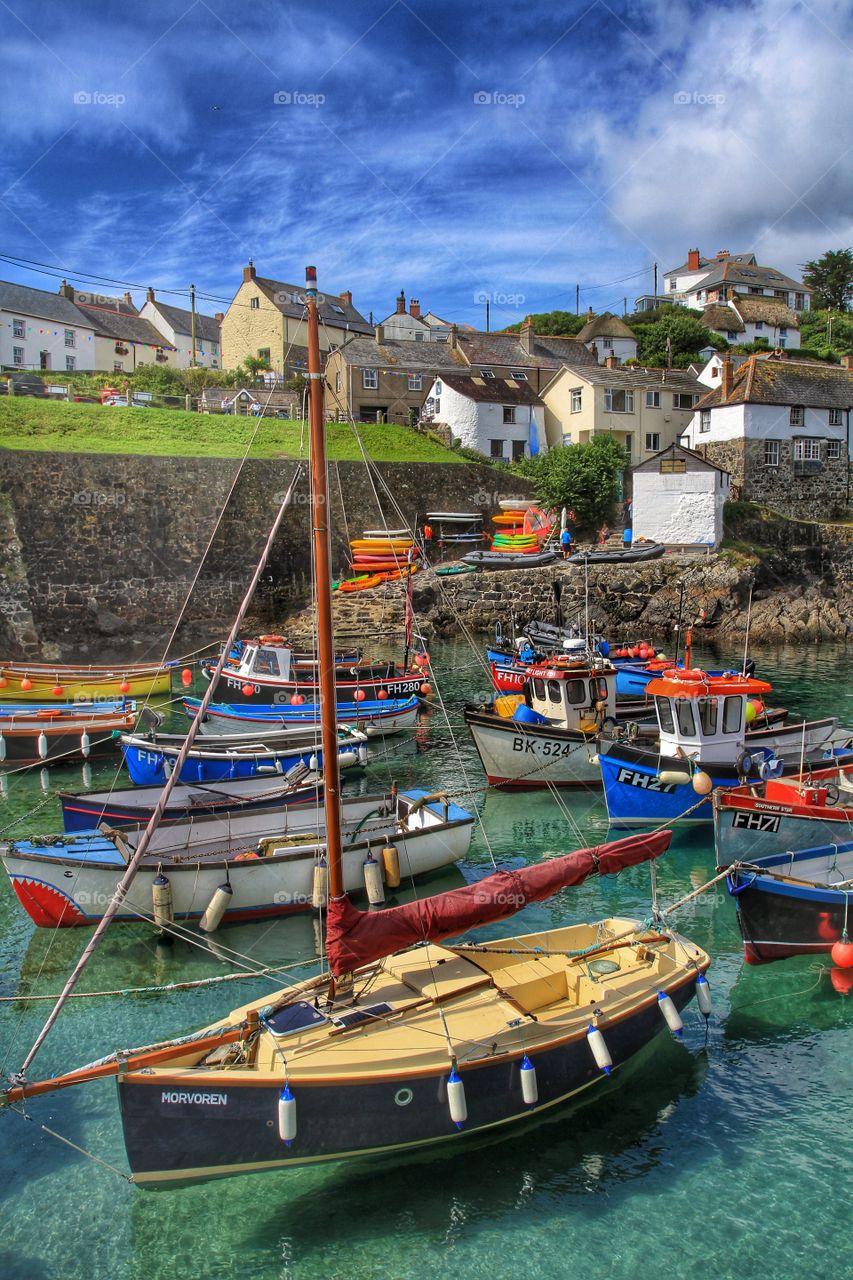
(612,362)
(415,308)
(401,303)
(526,335)
(453,339)
(346,297)
(67,290)
(589,314)
(149,295)
(379,334)
(128,298)
(692,259)
(249,271)
(220,316)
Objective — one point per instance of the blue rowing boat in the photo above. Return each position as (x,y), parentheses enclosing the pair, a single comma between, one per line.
(373,717)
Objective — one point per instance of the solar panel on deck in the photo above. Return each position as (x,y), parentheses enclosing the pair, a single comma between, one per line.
(294,1017)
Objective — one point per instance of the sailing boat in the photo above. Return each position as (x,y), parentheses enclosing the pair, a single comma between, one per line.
(405,1041)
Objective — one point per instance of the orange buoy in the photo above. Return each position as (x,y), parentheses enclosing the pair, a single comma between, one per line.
(297,700)
(3,682)
(26,684)
(359,695)
(842,953)
(186,677)
(57,691)
(842,980)
(247,690)
(703,785)
(382,695)
(124,687)
(426,690)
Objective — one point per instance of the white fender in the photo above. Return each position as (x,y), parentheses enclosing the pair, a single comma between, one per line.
(456,1099)
(529,1085)
(671,1015)
(703,995)
(216,908)
(599,1049)
(286,1115)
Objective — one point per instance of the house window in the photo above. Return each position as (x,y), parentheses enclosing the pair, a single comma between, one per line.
(607,344)
(487,373)
(264,354)
(806,450)
(437,388)
(18,356)
(577,394)
(337,380)
(797,415)
(652,442)
(652,399)
(496,448)
(118,367)
(673,466)
(715,372)
(833,450)
(799,301)
(436,407)
(759,326)
(705,420)
(731,335)
(835,417)
(518,375)
(369,380)
(517,449)
(214,349)
(69,338)
(255,304)
(683,400)
(415,381)
(419,337)
(509,414)
(771,453)
(70,363)
(19,329)
(618,401)
(783,330)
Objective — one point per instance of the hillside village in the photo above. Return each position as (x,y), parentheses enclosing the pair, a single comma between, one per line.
(715,363)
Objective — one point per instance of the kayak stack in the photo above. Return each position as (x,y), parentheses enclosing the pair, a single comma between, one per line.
(380,555)
(520,529)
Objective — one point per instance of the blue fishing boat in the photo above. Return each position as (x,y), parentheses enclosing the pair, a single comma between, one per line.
(794,904)
(373,717)
(702,743)
(149,760)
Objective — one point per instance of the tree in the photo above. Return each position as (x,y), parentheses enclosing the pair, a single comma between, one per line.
(557,324)
(687,336)
(831,278)
(162,379)
(584,478)
(829,332)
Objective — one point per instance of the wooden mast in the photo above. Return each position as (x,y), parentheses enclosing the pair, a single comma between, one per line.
(323,589)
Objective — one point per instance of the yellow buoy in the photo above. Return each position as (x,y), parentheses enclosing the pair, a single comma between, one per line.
(702,783)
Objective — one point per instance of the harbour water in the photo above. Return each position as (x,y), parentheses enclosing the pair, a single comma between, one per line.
(734,1144)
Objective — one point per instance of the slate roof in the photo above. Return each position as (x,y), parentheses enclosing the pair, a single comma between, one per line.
(686,268)
(561,350)
(632,376)
(402,353)
(734,274)
(507,349)
(492,390)
(332,311)
(124,327)
(787,382)
(605,326)
(206,327)
(21,300)
(677,451)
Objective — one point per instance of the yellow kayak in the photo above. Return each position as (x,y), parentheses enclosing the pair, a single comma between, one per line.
(40,682)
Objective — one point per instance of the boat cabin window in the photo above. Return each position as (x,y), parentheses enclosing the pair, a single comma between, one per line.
(686,719)
(732,714)
(554,692)
(598,689)
(266,663)
(665,717)
(575,692)
(708,715)
(539,689)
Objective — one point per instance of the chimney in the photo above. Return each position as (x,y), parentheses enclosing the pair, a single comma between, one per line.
(379,334)
(722,255)
(612,362)
(128,299)
(149,294)
(726,377)
(249,272)
(692,259)
(594,350)
(453,339)
(415,308)
(731,295)
(219,316)
(589,315)
(401,304)
(346,298)
(67,290)
(526,336)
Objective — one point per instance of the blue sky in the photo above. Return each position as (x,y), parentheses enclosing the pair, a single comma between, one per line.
(512,148)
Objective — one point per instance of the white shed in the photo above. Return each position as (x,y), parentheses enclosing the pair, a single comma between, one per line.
(678,499)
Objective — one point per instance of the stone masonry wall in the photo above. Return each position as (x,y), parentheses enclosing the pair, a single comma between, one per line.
(811,497)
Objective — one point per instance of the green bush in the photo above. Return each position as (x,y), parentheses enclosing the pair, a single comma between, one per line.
(584,478)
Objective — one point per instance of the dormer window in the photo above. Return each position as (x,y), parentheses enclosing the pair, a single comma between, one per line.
(518,375)
(487,373)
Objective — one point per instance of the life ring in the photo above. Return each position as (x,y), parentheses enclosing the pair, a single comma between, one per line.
(687,674)
(49,713)
(271,639)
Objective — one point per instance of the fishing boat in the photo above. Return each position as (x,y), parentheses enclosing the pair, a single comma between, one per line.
(85,811)
(405,1041)
(52,682)
(61,735)
(702,743)
(759,818)
(794,904)
(269,674)
(267,860)
(376,719)
(151,758)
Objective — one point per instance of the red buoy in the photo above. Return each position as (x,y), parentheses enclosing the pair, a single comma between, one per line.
(186,677)
(124,687)
(359,695)
(382,695)
(842,954)
(57,691)
(248,690)
(297,700)
(842,980)
(26,684)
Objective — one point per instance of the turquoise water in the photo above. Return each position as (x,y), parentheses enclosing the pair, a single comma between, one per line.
(723,1155)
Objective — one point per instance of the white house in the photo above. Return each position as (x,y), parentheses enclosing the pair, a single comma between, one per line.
(123,338)
(176,325)
(411,326)
(678,499)
(609,336)
(41,330)
(782,429)
(498,417)
(753,318)
(703,280)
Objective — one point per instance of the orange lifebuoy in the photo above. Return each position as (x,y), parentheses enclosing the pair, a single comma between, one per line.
(686,674)
(49,713)
(271,639)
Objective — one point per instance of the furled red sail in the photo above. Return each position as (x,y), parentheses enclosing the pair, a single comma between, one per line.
(356,937)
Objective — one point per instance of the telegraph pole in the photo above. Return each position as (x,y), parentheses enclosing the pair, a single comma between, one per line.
(487,315)
(192,305)
(577,299)
(656,281)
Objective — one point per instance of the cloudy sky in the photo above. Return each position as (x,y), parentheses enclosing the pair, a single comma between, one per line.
(502,148)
